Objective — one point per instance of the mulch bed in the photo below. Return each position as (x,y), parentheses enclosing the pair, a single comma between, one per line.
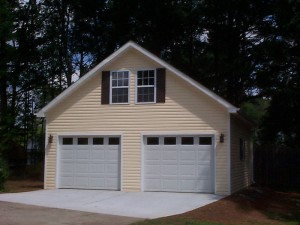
(255,205)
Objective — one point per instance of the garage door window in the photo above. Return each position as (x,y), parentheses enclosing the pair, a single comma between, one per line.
(98,141)
(83,141)
(170,141)
(114,141)
(187,141)
(205,140)
(67,141)
(152,141)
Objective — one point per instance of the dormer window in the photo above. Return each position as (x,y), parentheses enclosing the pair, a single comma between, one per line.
(146,86)
(119,87)
(150,86)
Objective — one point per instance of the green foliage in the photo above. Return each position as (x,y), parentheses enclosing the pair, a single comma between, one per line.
(4,172)
(255,109)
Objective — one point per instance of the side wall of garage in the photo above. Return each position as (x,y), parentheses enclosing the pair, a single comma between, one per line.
(241,154)
(185,111)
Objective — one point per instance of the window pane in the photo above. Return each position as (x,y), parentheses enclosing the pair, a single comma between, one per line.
(97,141)
(119,95)
(170,141)
(114,75)
(126,74)
(119,87)
(114,83)
(120,82)
(125,82)
(151,73)
(152,141)
(145,94)
(114,141)
(83,141)
(205,140)
(67,141)
(187,140)
(151,81)
(242,149)
(146,81)
(140,82)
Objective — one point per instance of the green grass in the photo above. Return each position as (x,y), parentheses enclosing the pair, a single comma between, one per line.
(292,218)
(175,221)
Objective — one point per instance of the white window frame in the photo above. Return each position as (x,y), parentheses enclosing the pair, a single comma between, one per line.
(137,86)
(111,87)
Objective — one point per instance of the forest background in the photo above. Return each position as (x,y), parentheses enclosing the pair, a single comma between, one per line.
(247,51)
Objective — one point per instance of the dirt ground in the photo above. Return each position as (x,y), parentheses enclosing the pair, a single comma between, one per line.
(23,185)
(255,205)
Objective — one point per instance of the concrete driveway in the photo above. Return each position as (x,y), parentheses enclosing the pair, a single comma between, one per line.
(131,204)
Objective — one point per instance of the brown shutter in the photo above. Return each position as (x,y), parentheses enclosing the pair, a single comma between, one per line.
(105,87)
(160,85)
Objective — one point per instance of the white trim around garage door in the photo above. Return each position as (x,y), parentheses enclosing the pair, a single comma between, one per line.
(178,134)
(87,134)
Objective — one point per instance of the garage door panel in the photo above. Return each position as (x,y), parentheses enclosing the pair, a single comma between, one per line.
(204,171)
(91,164)
(82,168)
(169,154)
(112,184)
(112,169)
(152,170)
(67,181)
(204,185)
(188,185)
(153,184)
(97,154)
(82,154)
(97,182)
(112,154)
(152,155)
(169,170)
(184,167)
(170,184)
(66,154)
(188,155)
(81,181)
(66,167)
(204,156)
(97,168)
(187,170)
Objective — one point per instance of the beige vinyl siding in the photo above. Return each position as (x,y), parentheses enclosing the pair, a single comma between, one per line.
(241,171)
(186,111)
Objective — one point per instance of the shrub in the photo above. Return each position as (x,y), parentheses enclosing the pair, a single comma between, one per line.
(3,173)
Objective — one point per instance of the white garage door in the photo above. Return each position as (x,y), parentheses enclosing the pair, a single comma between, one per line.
(179,163)
(89,162)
